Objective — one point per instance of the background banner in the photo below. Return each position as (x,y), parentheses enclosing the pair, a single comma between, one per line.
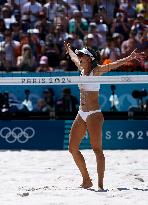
(29,134)
(54,134)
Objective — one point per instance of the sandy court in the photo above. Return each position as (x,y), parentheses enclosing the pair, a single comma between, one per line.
(51,178)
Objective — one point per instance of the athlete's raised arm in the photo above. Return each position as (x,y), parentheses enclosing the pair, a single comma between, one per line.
(101,69)
(72,55)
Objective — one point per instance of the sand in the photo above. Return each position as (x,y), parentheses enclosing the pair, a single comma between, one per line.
(52,178)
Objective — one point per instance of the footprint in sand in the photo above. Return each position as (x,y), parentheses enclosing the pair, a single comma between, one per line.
(140,179)
(23,194)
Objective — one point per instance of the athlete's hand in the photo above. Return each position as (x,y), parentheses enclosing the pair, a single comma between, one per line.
(67,46)
(137,55)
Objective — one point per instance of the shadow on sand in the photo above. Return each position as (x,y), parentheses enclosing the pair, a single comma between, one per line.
(119,188)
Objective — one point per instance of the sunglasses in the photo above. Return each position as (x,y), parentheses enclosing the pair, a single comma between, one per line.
(80,54)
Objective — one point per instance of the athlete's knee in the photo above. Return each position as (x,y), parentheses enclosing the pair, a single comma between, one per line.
(98,151)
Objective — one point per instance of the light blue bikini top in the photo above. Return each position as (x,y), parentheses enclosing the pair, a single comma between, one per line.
(91,86)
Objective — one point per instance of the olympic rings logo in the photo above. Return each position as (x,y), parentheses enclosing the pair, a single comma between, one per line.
(17,134)
(125,79)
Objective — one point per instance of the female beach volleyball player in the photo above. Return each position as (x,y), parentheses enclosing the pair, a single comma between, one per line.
(89,116)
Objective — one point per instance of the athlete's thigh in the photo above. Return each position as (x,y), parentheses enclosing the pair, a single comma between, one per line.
(77,132)
(94,126)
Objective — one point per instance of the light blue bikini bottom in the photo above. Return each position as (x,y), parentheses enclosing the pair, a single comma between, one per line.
(84,115)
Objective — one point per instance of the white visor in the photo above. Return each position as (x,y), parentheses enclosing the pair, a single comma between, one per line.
(85,51)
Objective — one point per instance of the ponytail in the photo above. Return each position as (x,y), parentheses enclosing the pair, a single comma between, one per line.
(98,57)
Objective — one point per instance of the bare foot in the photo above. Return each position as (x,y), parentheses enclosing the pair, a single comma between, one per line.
(86,184)
(100,188)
